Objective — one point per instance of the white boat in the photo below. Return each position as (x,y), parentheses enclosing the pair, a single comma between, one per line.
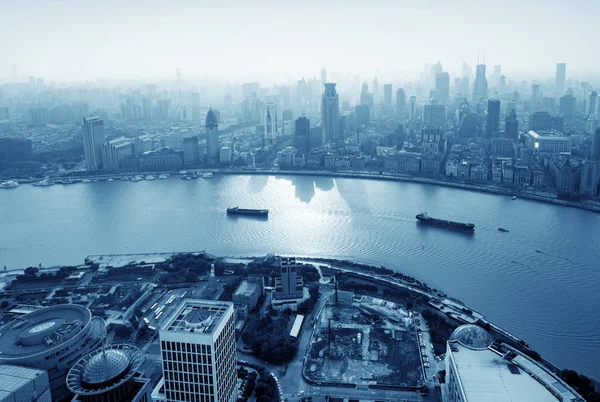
(137,178)
(163,176)
(9,184)
(207,175)
(150,177)
(44,183)
(125,178)
(514,197)
(86,181)
(67,180)
(110,179)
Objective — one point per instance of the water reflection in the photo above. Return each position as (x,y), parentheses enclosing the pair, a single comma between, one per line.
(424,229)
(257,183)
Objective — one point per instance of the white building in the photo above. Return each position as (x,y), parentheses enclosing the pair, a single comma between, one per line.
(270,122)
(547,142)
(198,353)
(476,371)
(115,150)
(225,156)
(93,137)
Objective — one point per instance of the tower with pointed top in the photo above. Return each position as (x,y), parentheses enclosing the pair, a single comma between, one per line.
(270,122)
(330,112)
(212,137)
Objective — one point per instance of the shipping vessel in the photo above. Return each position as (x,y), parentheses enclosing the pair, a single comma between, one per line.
(251,212)
(424,218)
(9,184)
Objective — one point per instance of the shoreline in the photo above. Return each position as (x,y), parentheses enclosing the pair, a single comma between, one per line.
(548,198)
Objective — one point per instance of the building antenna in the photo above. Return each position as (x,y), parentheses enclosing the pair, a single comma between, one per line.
(478,56)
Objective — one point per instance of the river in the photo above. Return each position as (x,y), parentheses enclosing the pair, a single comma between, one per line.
(541,281)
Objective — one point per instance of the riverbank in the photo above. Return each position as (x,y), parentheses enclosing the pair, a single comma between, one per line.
(490,189)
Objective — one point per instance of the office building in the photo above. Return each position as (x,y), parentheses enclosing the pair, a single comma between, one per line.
(289,287)
(477,370)
(301,138)
(596,145)
(387,95)
(323,75)
(592,103)
(114,151)
(270,122)
(330,113)
(163,158)
(362,115)
(493,118)
(226,155)
(142,144)
(412,108)
(480,85)
(511,125)
(365,97)
(434,114)
(442,87)
(198,349)
(590,178)
(540,121)
(93,137)
(400,101)
(109,374)
(51,339)
(561,72)
(547,142)
(250,88)
(212,136)
(38,117)
(23,384)
(191,150)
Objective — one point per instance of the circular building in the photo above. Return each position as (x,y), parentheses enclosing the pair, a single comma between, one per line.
(106,374)
(472,337)
(51,339)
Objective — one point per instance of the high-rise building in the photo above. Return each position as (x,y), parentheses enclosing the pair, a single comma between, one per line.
(323,75)
(93,137)
(596,145)
(114,151)
(400,101)
(590,178)
(191,150)
(387,94)
(301,138)
(330,112)
(38,116)
(480,85)
(535,95)
(493,118)
(198,349)
(362,115)
(212,136)
(567,107)
(561,72)
(412,107)
(249,88)
(434,114)
(376,95)
(511,125)
(442,87)
(270,122)
(592,103)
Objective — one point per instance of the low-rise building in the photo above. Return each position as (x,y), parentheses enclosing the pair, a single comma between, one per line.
(547,142)
(23,384)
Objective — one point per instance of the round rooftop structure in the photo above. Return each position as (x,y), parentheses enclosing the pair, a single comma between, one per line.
(104,369)
(472,337)
(198,318)
(43,331)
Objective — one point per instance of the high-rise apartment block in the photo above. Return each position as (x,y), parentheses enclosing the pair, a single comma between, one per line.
(198,353)
(442,87)
(561,72)
(93,137)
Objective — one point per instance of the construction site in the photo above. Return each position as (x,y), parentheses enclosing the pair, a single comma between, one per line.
(363,341)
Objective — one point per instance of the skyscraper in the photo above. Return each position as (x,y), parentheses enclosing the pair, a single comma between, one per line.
(93,137)
(400,101)
(591,105)
(412,108)
(442,87)
(434,114)
(197,343)
(330,112)
(191,150)
(567,107)
(387,94)
(596,145)
(376,89)
(493,118)
(270,122)
(212,136)
(302,134)
(511,125)
(323,75)
(561,72)
(480,85)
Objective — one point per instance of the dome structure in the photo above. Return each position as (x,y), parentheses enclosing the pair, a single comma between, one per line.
(472,337)
(104,370)
(211,119)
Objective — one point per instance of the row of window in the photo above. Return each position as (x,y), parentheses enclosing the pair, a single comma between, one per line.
(187,357)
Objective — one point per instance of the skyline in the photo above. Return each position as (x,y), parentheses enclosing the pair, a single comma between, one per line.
(153,39)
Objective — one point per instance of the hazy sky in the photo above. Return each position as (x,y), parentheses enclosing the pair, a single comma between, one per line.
(84,39)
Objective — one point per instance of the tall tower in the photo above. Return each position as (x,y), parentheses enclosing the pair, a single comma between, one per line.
(561,72)
(387,94)
(442,87)
(480,85)
(511,125)
(197,343)
(93,137)
(270,122)
(212,136)
(330,112)
(323,75)
(400,101)
(493,118)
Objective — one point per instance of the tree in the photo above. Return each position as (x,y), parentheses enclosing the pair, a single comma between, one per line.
(191,277)
(31,271)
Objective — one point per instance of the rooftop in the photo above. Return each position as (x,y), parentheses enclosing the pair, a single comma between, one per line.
(201,316)
(246,288)
(15,378)
(42,330)
(486,376)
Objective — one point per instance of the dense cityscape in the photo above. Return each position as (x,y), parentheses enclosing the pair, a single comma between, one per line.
(299,202)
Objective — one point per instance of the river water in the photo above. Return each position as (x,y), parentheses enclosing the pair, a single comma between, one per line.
(541,281)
